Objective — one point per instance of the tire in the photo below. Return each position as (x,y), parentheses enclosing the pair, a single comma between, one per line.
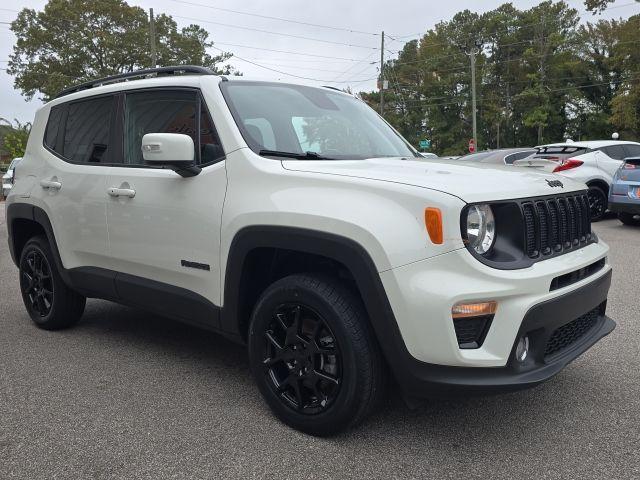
(598,202)
(330,375)
(628,219)
(50,303)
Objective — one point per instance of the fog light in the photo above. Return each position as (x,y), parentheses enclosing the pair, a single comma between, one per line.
(465,310)
(522,349)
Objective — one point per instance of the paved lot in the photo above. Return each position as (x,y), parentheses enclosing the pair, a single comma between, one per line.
(129,395)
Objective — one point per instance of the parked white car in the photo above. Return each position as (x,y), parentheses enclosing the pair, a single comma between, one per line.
(294,220)
(7,178)
(591,162)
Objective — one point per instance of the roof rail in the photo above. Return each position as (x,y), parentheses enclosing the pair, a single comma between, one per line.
(147,72)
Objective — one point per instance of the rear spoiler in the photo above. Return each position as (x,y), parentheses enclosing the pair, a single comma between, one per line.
(538,163)
(568,148)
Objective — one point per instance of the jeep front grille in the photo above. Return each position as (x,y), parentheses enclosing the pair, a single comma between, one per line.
(556,224)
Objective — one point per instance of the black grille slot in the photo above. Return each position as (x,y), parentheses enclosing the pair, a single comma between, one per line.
(543,218)
(555,240)
(571,332)
(530,229)
(471,331)
(556,224)
(576,275)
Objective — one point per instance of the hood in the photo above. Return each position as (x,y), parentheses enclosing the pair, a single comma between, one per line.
(470,182)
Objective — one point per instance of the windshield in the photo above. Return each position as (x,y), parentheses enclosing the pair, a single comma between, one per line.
(277,118)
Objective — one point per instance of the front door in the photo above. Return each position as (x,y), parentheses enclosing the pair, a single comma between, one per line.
(165,229)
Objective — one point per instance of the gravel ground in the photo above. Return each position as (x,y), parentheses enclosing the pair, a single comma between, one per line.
(130,395)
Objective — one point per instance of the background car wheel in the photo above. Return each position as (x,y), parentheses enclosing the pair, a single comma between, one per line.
(314,356)
(50,303)
(597,203)
(629,219)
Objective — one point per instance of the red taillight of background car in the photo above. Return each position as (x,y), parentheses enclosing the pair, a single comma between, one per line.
(568,165)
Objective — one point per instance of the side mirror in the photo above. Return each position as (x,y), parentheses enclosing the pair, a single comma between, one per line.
(172,150)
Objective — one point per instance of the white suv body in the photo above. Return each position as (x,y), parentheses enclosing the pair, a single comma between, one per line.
(384,252)
(593,162)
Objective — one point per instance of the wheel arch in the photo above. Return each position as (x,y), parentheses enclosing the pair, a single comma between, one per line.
(341,252)
(24,221)
(598,182)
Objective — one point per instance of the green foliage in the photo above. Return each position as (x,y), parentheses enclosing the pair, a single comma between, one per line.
(71,41)
(14,139)
(541,76)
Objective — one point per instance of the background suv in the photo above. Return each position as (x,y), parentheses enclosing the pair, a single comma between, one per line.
(592,162)
(624,197)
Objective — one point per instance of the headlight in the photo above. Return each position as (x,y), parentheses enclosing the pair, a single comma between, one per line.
(481,228)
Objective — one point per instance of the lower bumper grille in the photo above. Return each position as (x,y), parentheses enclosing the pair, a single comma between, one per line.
(471,331)
(571,332)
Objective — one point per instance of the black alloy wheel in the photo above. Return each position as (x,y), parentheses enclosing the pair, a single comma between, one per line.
(597,203)
(301,359)
(313,354)
(37,283)
(51,304)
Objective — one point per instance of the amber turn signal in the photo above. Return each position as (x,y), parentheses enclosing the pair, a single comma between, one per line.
(433,222)
(466,310)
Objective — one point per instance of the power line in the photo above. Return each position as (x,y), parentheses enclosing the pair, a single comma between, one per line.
(287,52)
(301,37)
(288,20)
(288,73)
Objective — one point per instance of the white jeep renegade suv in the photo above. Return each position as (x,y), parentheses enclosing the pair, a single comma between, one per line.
(295,220)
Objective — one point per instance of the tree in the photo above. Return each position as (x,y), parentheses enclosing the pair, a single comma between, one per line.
(15,139)
(71,41)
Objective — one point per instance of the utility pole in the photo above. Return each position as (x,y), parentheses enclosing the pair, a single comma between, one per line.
(382,75)
(472,54)
(152,38)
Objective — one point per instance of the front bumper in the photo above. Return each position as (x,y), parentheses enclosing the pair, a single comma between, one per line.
(426,358)
(426,380)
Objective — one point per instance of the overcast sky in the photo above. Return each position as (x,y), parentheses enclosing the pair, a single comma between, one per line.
(330,56)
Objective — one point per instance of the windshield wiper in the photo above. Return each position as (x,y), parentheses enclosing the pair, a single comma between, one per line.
(298,156)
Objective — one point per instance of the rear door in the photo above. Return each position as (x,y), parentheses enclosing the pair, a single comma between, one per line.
(169,230)
(78,148)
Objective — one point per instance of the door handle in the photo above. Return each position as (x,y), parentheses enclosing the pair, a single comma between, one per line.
(121,192)
(53,185)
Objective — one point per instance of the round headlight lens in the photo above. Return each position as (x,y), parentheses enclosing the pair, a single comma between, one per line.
(481,228)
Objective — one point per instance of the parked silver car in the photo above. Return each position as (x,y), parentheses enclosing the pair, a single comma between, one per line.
(7,178)
(501,156)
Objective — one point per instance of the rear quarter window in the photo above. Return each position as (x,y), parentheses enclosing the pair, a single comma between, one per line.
(51,133)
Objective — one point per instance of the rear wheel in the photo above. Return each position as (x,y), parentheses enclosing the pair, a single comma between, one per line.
(314,356)
(50,303)
(629,219)
(597,202)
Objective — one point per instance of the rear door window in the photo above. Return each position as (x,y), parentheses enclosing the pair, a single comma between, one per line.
(617,152)
(86,135)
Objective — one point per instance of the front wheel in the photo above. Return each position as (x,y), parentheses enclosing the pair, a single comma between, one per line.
(50,303)
(314,356)
(597,203)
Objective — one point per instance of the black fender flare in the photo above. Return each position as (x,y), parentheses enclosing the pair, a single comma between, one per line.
(35,214)
(338,248)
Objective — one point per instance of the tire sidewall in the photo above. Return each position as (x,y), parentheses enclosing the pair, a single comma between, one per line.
(37,244)
(339,412)
(598,191)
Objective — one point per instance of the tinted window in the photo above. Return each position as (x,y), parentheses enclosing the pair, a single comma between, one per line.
(210,147)
(632,150)
(86,134)
(617,152)
(53,127)
(156,112)
(509,159)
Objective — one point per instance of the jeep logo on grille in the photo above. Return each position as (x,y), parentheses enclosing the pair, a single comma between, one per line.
(555,183)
